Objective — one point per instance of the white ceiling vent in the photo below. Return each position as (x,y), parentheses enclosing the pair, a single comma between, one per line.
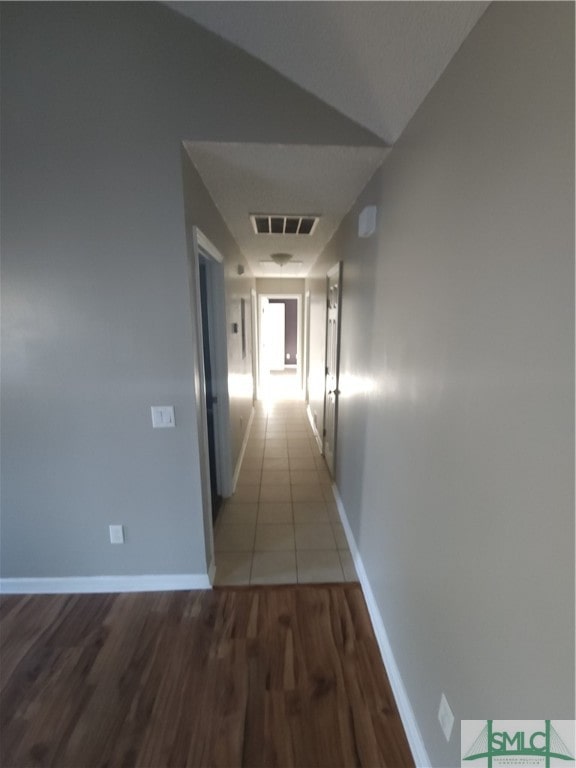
(280,224)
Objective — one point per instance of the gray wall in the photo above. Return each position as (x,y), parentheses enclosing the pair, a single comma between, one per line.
(456,453)
(280,285)
(96,100)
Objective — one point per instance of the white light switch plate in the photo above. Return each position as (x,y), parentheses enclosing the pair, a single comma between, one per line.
(367,221)
(445,717)
(116,534)
(163,416)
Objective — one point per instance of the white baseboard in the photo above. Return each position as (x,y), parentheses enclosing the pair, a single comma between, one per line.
(166,582)
(405,710)
(242,451)
(314,428)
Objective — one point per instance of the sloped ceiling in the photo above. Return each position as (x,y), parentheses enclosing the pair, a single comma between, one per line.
(373,61)
(286,179)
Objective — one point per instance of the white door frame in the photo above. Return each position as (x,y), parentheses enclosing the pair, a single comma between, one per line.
(255,343)
(203,248)
(299,367)
(331,440)
(306,348)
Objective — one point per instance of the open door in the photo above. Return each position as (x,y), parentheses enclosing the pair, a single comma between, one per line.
(210,383)
(332,392)
(306,349)
(273,333)
(255,345)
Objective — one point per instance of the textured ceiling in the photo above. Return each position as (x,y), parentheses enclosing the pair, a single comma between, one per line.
(293,179)
(373,61)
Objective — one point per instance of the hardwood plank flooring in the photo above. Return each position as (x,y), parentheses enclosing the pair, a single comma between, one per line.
(248,676)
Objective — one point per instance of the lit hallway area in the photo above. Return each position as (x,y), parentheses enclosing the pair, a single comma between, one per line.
(282,524)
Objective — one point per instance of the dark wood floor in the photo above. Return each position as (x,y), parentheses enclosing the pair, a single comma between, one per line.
(270,676)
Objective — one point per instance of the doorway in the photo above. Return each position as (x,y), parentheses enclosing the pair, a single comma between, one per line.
(211,378)
(306,353)
(255,345)
(332,391)
(210,387)
(280,350)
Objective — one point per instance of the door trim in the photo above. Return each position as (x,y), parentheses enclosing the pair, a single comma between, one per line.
(255,344)
(337,270)
(203,248)
(306,349)
(299,338)
(219,358)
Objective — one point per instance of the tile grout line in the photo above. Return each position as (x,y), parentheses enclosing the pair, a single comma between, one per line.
(314,466)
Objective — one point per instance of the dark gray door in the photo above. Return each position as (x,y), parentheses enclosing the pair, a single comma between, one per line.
(210,396)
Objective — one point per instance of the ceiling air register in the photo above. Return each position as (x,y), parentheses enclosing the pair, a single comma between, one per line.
(279,224)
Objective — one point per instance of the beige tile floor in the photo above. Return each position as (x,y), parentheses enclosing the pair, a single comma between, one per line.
(282,525)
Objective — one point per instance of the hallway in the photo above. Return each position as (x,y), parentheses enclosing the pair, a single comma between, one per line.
(282,524)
